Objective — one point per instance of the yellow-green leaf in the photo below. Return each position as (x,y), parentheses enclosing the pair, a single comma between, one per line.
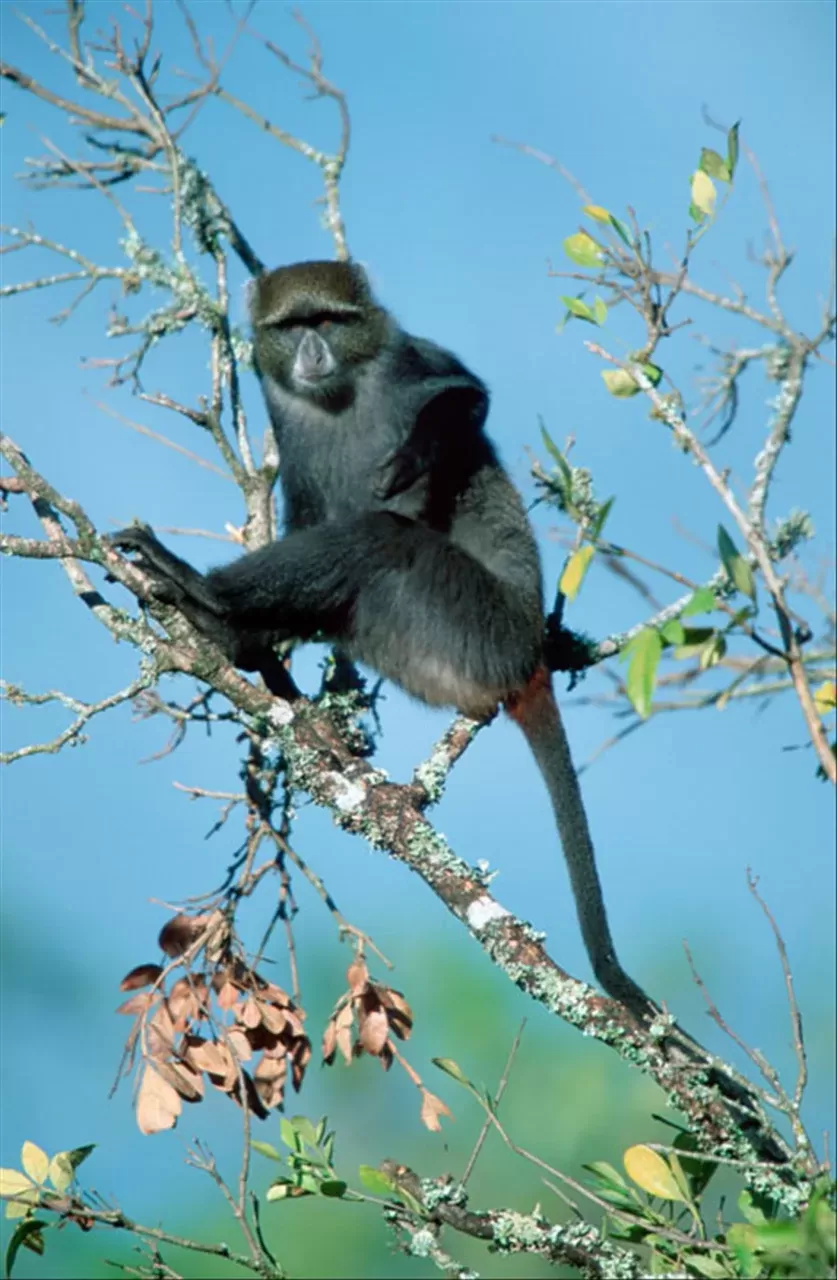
(825,696)
(644,656)
(620,383)
(583,250)
(61,1172)
(12,1181)
(600,312)
(574,571)
(740,573)
(650,1171)
(380,1184)
(704,193)
(577,308)
(35,1162)
(712,652)
(714,165)
(598,214)
(452,1069)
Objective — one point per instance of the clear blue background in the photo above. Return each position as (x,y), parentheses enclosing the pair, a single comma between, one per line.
(457,233)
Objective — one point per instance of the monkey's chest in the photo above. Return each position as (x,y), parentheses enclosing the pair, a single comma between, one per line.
(330,474)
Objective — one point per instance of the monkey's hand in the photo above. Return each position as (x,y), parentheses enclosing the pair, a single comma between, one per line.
(171,580)
(399,472)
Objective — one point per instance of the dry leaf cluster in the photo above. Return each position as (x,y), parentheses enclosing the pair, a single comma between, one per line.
(210,1024)
(378,1011)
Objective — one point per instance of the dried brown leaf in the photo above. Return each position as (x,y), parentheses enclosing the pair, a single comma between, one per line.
(249,1013)
(357,976)
(399,1013)
(373,1031)
(227,995)
(188,1083)
(269,1078)
(207,1055)
(159,1033)
(158,1103)
(178,934)
(142,976)
(273,1018)
(137,1004)
(240,1044)
(432,1109)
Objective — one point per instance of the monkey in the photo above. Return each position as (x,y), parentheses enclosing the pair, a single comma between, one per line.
(406,544)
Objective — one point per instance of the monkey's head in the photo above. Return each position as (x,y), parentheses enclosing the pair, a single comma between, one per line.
(314,324)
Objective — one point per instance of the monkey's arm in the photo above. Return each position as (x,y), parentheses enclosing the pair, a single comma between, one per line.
(445,405)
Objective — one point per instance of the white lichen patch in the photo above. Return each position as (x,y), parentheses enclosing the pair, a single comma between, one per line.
(483,910)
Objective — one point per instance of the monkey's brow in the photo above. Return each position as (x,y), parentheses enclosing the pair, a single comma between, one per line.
(300,314)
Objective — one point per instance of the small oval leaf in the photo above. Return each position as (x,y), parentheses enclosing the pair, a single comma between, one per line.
(574,571)
(704,193)
(650,1171)
(583,250)
(375,1181)
(644,652)
(35,1162)
(620,383)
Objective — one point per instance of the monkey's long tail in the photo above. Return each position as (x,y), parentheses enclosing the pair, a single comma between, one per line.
(536,712)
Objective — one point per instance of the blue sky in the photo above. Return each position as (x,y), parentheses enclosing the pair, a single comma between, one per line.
(456,232)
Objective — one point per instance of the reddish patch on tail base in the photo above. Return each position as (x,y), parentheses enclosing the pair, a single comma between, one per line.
(532,704)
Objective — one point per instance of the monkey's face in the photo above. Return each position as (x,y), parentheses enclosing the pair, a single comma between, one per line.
(316,324)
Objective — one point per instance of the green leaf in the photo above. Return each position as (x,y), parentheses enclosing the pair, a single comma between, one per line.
(620,383)
(652,372)
(328,1146)
(712,652)
(651,1172)
(606,1173)
(710,1265)
(578,308)
(266,1149)
(732,149)
(557,457)
(78,1155)
(715,165)
(695,213)
(673,631)
(698,1172)
(332,1187)
(375,1181)
(704,193)
(644,657)
(739,571)
(29,1233)
(583,250)
(600,518)
(35,1162)
(305,1129)
(451,1069)
(321,1130)
(749,1209)
(289,1135)
(600,311)
(574,571)
(703,601)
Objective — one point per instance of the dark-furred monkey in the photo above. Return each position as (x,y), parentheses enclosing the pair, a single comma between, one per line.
(406,543)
